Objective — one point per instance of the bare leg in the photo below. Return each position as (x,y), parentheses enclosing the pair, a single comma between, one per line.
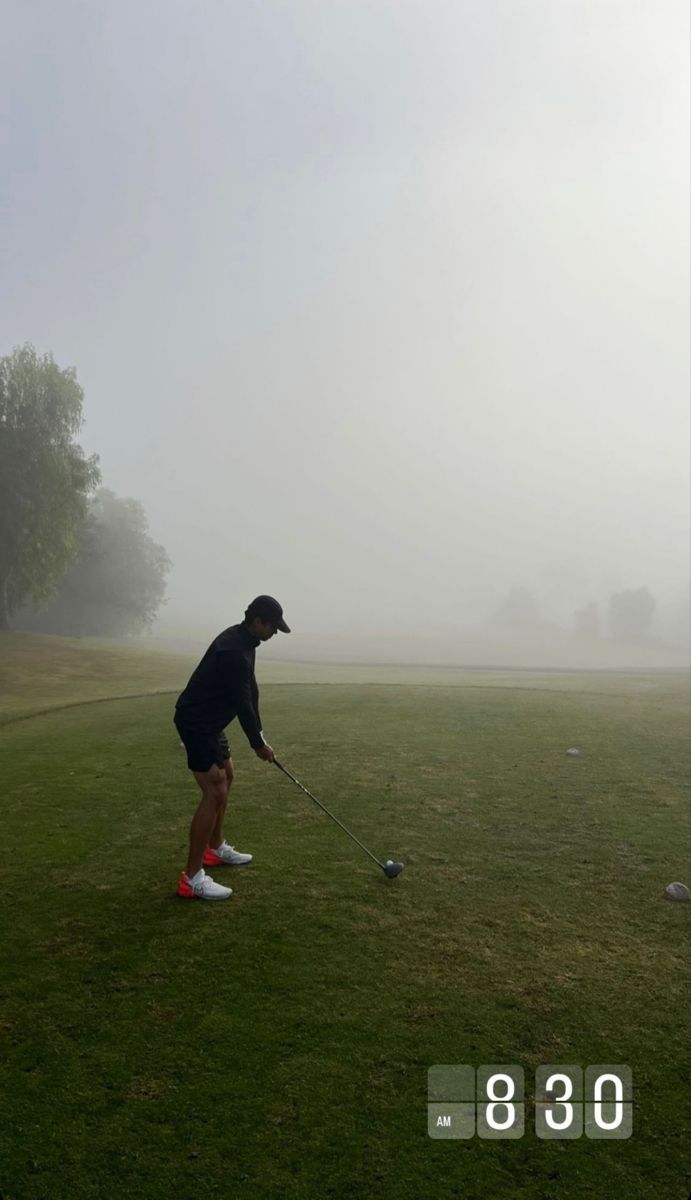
(217,831)
(214,786)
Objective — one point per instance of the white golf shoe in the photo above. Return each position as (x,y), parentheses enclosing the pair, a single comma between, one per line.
(225,856)
(202,887)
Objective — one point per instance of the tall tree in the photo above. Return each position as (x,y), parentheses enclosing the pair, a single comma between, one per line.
(45,478)
(630,614)
(518,610)
(117,580)
(587,622)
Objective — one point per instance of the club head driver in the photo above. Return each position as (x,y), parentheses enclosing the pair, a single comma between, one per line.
(392,869)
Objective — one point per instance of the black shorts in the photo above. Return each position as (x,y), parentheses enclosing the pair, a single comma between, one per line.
(204,748)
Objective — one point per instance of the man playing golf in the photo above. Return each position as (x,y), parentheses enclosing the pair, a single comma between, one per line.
(221,688)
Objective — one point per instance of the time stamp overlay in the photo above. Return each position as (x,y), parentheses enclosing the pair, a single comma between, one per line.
(489,1101)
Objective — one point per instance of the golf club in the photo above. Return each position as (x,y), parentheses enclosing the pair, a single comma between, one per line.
(390,869)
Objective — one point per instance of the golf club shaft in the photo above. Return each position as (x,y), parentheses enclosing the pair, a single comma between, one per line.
(328,812)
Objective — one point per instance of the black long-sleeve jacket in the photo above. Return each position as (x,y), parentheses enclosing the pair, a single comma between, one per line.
(223,686)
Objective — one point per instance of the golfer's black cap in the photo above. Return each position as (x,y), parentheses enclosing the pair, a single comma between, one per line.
(269,610)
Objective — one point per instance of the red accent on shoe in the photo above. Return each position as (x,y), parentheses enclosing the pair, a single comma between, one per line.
(211,858)
(185,887)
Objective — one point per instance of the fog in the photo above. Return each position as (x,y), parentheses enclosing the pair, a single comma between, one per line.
(379,307)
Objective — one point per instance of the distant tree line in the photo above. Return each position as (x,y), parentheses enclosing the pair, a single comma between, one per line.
(75,559)
(628,617)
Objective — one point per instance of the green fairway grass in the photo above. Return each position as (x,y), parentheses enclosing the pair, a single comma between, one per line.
(39,672)
(277,1045)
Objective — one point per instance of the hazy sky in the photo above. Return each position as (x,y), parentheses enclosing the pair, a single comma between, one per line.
(379,306)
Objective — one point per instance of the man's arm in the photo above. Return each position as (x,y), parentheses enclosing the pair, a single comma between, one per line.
(255,698)
(238,678)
